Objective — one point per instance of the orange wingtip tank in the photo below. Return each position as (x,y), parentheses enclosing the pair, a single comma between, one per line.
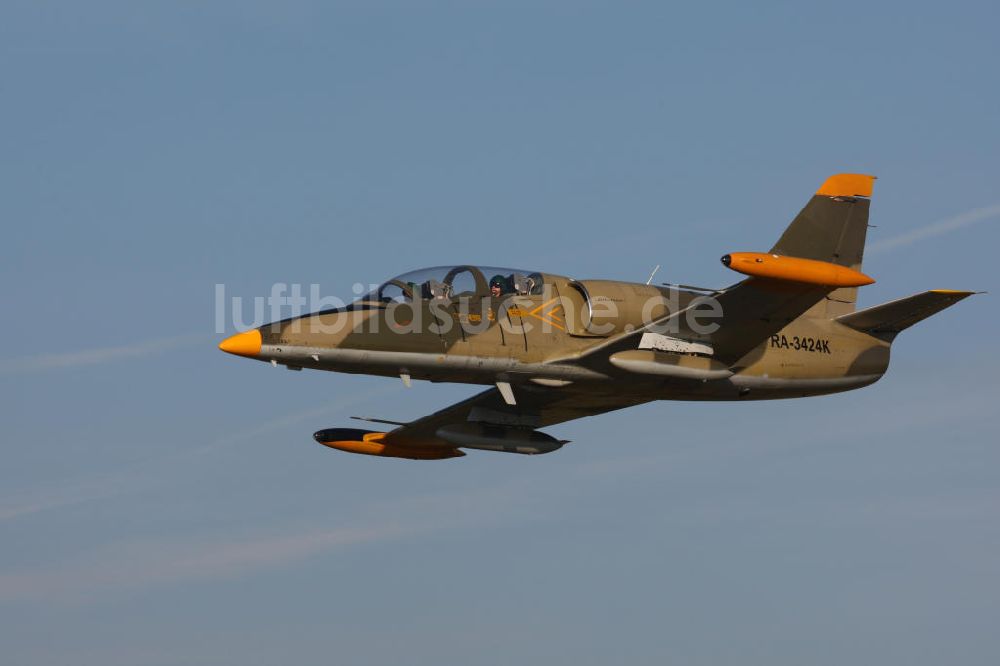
(794,269)
(371,443)
(847,185)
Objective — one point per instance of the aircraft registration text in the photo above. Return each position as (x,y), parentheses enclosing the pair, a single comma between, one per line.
(818,345)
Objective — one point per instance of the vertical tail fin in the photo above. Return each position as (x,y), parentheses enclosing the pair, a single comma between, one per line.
(832,228)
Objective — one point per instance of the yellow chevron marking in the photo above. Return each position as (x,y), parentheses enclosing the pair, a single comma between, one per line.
(547,317)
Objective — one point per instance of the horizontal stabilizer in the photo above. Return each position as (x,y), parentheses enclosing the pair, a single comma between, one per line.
(887,320)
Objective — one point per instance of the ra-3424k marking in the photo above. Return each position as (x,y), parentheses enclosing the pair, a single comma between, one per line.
(818,345)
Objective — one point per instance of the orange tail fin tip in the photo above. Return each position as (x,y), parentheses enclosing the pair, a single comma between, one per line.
(847,185)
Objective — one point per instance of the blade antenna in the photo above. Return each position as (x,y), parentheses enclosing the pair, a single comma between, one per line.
(372,419)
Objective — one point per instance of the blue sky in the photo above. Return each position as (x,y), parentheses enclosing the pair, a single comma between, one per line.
(163,503)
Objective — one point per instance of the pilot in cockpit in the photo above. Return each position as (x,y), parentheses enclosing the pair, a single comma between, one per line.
(497,285)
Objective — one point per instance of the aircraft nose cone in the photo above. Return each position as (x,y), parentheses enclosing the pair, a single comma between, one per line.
(246,343)
(726,260)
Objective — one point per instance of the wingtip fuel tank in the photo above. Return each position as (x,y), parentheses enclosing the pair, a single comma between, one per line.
(372,443)
(794,269)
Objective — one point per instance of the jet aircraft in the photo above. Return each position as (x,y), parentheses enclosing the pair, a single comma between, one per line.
(553,349)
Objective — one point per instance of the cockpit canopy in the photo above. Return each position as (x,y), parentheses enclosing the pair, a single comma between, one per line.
(449,282)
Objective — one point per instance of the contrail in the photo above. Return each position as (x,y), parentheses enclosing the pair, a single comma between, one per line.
(65,496)
(95,356)
(937,229)
(137,476)
(141,563)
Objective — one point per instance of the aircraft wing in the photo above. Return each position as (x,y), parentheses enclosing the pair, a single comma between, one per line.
(535,408)
(752,311)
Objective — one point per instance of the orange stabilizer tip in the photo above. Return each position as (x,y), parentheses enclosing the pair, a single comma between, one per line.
(793,269)
(847,185)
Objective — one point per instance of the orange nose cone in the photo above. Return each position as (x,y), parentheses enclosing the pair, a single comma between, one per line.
(246,343)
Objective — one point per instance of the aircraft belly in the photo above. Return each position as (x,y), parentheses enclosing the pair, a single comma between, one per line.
(449,366)
(455,367)
(762,387)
